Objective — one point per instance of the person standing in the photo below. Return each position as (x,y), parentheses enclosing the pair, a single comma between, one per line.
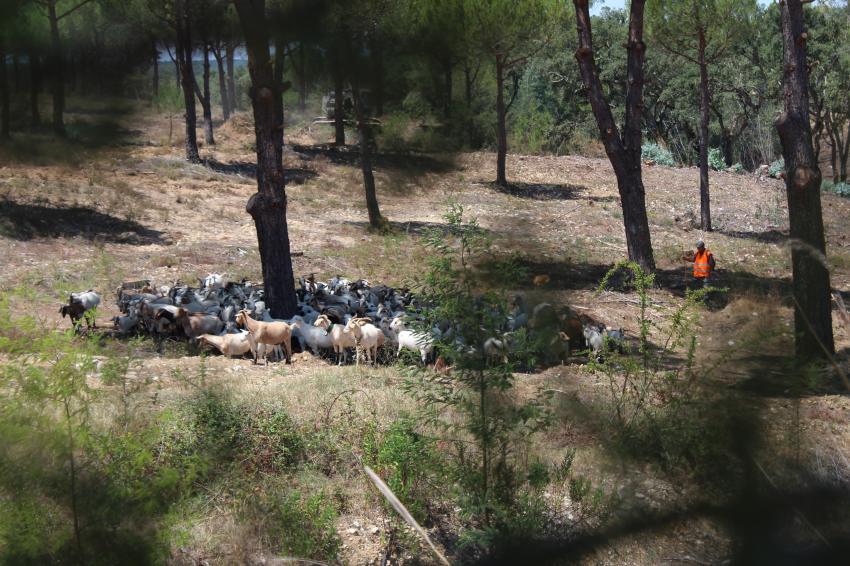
(704,263)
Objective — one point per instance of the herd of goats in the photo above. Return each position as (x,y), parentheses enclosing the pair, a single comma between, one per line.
(336,317)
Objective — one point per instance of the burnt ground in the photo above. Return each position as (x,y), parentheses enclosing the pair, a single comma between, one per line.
(133,209)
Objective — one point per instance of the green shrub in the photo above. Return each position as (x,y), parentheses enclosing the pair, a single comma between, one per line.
(272,441)
(392,133)
(296,524)
(776,168)
(658,154)
(403,458)
(530,131)
(715,159)
(840,189)
(738,168)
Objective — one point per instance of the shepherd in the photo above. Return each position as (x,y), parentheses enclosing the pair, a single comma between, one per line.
(703,261)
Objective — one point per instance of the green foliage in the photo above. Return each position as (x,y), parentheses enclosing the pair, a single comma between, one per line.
(776,168)
(840,189)
(654,399)
(404,458)
(272,443)
(658,154)
(295,523)
(491,426)
(738,168)
(715,159)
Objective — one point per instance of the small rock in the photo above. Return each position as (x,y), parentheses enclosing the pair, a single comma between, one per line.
(352,531)
(374,530)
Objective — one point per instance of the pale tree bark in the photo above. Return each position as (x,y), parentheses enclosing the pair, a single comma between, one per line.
(624,151)
(812,312)
(35,88)
(268,205)
(339,111)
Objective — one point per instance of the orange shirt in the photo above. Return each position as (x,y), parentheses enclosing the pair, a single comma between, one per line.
(702,264)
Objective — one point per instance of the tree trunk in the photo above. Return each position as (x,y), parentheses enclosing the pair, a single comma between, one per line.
(704,200)
(155,70)
(279,63)
(231,78)
(268,205)
(812,313)
(4,94)
(501,130)
(833,146)
(206,105)
(624,153)
(187,77)
(177,74)
(57,77)
(35,88)
(376,221)
(339,111)
(378,80)
(16,72)
(447,83)
(222,83)
(302,77)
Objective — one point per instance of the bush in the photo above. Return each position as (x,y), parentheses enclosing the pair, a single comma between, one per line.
(403,458)
(715,159)
(296,524)
(840,189)
(272,442)
(776,168)
(658,154)
(738,168)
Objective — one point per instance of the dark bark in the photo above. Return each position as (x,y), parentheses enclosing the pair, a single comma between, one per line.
(231,78)
(187,77)
(279,63)
(378,79)
(302,77)
(623,151)
(16,72)
(704,100)
(813,312)
(222,83)
(447,85)
(35,88)
(155,53)
(177,74)
(268,205)
(376,221)
(57,75)
(339,111)
(4,94)
(206,104)
(501,129)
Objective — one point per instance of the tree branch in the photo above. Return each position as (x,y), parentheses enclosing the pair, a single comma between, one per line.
(74,9)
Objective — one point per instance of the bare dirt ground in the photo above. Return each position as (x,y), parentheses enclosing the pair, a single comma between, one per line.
(71,219)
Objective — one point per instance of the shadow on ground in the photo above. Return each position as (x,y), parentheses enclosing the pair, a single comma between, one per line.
(294,176)
(28,221)
(546,191)
(767,237)
(350,155)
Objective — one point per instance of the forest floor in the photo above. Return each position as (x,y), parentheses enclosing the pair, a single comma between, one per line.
(119,203)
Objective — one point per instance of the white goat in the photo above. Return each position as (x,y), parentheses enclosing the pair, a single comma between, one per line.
(366,336)
(341,340)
